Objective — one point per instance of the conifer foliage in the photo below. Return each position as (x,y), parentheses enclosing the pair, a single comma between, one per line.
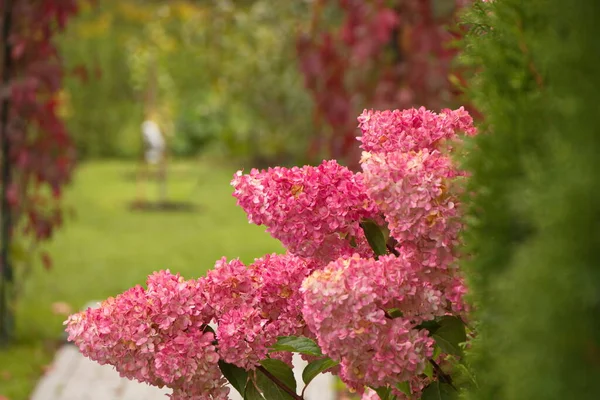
(535,273)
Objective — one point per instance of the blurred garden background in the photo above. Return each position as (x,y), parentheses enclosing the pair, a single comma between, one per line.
(231,84)
(241,84)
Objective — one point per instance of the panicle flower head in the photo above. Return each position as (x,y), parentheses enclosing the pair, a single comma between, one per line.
(327,287)
(157,335)
(346,306)
(228,285)
(412,129)
(416,193)
(272,307)
(313,211)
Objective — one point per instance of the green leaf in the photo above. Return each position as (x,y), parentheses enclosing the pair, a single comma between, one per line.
(384,393)
(395,313)
(316,367)
(353,242)
(404,387)
(436,352)
(235,375)
(428,370)
(252,393)
(283,373)
(297,344)
(450,334)
(439,391)
(375,237)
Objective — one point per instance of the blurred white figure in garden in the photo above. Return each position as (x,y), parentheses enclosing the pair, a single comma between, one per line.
(155,148)
(154,141)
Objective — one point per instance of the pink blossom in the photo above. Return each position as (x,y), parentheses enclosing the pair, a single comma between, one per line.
(270,306)
(346,306)
(328,287)
(412,129)
(313,211)
(228,285)
(370,394)
(157,335)
(409,173)
(416,193)
(241,338)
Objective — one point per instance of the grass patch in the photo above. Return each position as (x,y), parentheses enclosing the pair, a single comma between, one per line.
(106,248)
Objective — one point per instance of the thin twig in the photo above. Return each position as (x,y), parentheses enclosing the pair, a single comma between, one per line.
(279,383)
(392,250)
(441,374)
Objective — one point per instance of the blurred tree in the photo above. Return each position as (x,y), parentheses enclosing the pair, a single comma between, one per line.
(212,70)
(101,104)
(37,152)
(257,81)
(360,54)
(535,272)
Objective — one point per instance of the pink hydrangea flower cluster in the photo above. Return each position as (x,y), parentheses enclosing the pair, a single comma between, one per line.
(314,211)
(363,311)
(157,335)
(161,336)
(409,173)
(415,192)
(347,304)
(412,129)
(256,305)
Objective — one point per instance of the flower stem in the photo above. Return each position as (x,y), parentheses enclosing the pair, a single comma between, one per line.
(442,376)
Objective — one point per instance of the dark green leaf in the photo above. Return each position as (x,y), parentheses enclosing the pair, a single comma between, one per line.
(283,373)
(316,367)
(375,237)
(404,387)
(450,334)
(446,346)
(439,391)
(208,328)
(235,375)
(297,344)
(252,393)
(431,326)
(385,393)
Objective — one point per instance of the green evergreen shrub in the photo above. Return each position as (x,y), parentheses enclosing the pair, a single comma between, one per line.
(533,224)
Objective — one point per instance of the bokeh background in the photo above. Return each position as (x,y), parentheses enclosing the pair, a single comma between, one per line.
(233,85)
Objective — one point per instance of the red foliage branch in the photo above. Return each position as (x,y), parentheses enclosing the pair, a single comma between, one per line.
(383,55)
(41,153)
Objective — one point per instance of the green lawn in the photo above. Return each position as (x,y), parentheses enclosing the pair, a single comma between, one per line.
(106,248)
